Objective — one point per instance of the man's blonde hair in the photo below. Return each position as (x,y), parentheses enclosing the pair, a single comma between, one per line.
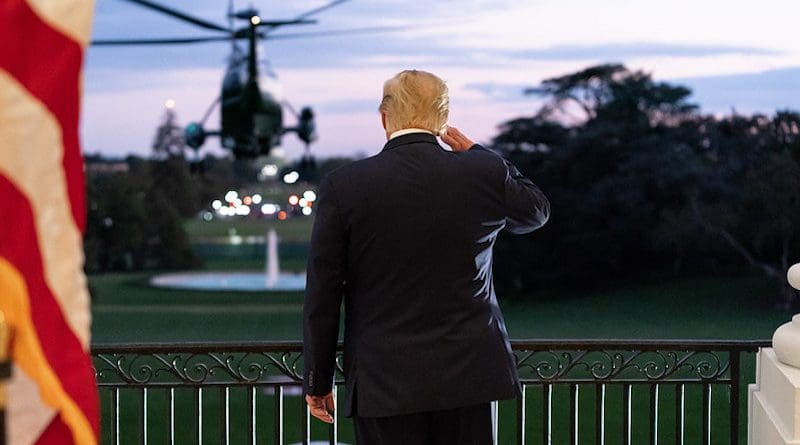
(415,99)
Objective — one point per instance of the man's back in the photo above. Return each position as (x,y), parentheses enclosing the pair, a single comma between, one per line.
(414,228)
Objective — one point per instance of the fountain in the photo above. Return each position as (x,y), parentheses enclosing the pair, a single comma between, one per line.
(273,271)
(271,281)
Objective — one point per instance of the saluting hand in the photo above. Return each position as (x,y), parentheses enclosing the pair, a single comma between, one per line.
(322,407)
(456,139)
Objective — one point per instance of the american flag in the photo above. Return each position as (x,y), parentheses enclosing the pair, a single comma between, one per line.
(52,397)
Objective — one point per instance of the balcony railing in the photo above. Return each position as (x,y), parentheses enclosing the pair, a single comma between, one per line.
(574,392)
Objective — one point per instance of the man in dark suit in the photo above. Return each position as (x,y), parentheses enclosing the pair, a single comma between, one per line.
(405,237)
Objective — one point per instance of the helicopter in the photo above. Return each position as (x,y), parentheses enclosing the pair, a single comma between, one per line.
(251,121)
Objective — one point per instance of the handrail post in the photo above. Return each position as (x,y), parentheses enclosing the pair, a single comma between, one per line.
(735,379)
(521,417)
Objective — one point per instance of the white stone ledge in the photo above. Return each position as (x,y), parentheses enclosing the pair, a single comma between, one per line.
(774,402)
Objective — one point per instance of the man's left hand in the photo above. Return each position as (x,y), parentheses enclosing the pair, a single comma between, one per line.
(322,407)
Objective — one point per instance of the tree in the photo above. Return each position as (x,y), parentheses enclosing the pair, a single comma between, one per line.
(749,200)
(134,222)
(169,140)
(589,89)
(643,185)
(117,213)
(172,179)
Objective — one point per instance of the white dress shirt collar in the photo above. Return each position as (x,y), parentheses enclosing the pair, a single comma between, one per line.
(408,131)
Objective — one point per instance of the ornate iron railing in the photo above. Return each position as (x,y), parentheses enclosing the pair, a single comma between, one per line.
(579,392)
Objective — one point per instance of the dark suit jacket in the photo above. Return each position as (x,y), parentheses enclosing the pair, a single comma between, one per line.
(406,237)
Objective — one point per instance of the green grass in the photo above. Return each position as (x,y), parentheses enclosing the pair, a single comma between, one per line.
(731,307)
(252,257)
(126,309)
(297,229)
(211,243)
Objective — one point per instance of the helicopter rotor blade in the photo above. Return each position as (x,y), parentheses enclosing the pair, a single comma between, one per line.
(277,23)
(165,41)
(180,15)
(338,32)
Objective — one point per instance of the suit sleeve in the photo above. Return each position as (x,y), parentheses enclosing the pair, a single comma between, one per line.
(526,207)
(324,290)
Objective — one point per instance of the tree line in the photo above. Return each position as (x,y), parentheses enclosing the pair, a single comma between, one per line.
(644,186)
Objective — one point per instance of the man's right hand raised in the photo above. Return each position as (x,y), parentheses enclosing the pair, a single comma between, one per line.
(456,139)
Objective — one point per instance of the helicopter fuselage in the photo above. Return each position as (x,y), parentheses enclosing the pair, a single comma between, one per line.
(251,111)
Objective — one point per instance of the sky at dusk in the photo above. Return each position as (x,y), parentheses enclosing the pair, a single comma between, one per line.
(740,55)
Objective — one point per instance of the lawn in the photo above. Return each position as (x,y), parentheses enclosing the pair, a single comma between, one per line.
(296,229)
(127,309)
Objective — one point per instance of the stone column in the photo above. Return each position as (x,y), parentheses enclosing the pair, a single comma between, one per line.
(774,400)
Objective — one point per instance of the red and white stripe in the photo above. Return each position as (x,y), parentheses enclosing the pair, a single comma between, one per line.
(52,397)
